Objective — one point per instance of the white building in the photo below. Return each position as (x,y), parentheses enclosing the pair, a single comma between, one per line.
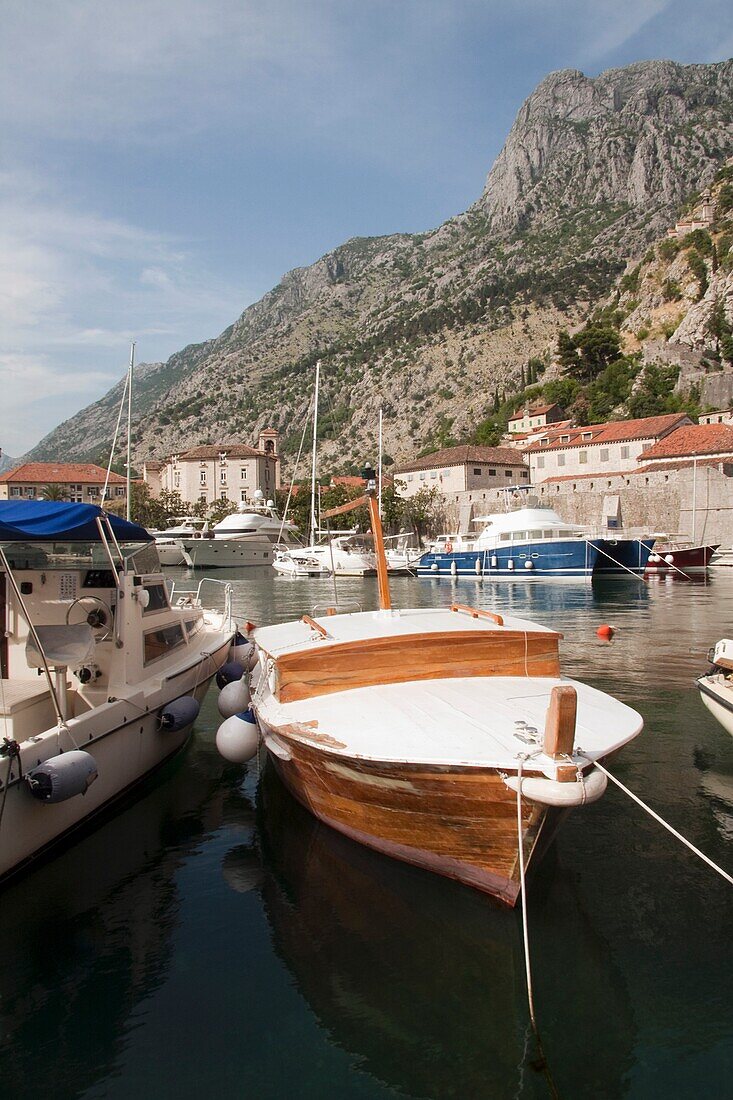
(532,417)
(79,482)
(221,471)
(456,469)
(720,416)
(611,448)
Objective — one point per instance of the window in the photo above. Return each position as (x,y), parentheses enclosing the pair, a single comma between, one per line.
(202,498)
(119,491)
(93,490)
(492,473)
(476,470)
(160,642)
(409,477)
(582,457)
(561,460)
(176,480)
(422,476)
(433,473)
(586,435)
(202,477)
(76,493)
(645,446)
(525,473)
(15,491)
(564,438)
(243,473)
(540,462)
(157,598)
(224,495)
(30,492)
(624,452)
(243,494)
(508,473)
(604,454)
(223,475)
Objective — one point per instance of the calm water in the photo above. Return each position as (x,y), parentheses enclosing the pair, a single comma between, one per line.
(212,939)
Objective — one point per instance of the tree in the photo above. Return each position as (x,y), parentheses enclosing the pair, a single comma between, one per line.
(567,353)
(144,508)
(221,508)
(53,492)
(598,345)
(425,513)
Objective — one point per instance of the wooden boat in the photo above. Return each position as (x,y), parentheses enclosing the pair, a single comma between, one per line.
(411,730)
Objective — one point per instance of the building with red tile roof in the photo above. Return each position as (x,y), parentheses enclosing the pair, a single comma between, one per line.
(219,471)
(80,482)
(456,469)
(598,448)
(530,417)
(691,441)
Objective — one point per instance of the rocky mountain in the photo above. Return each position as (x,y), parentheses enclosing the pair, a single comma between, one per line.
(430,326)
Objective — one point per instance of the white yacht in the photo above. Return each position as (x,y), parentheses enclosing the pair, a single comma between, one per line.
(101,677)
(168,542)
(246,537)
(345,553)
(298,563)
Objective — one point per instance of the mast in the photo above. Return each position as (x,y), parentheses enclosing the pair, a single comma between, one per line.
(129,423)
(369,477)
(314,524)
(379,466)
(694,499)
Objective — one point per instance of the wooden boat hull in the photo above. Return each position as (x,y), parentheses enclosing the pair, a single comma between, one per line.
(457,822)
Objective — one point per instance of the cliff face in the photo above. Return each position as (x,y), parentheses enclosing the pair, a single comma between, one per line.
(428,326)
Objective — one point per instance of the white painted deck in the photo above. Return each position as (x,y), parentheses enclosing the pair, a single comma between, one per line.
(467,721)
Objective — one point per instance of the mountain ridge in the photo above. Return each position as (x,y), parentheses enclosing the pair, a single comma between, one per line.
(431,325)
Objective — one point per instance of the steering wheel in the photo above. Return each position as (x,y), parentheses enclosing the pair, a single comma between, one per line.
(99,615)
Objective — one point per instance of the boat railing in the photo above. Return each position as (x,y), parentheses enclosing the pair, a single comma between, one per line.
(347,606)
(194,594)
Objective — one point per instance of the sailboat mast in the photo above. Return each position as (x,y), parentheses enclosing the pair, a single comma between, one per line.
(129,425)
(379,467)
(314,524)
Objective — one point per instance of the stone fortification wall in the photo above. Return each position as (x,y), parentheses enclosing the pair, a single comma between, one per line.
(660,501)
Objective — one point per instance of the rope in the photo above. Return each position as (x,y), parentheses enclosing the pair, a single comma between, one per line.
(543,1066)
(666,824)
(114,441)
(638,576)
(525,933)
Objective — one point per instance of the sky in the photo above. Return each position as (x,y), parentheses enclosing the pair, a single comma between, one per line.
(164,162)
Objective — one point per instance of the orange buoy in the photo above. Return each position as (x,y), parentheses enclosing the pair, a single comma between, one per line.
(605,631)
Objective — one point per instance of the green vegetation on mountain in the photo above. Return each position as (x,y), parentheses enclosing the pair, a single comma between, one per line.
(445,330)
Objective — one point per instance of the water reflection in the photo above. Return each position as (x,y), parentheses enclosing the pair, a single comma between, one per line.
(90,934)
(421,979)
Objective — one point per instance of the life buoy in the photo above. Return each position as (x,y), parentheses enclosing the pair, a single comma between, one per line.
(449,547)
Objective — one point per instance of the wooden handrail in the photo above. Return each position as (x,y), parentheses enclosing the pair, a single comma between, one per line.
(477,613)
(314,625)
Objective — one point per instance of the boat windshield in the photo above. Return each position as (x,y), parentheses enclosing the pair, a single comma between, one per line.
(68,555)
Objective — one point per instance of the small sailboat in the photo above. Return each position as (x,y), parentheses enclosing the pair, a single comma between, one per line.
(411,730)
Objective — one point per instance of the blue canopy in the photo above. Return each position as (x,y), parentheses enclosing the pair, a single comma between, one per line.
(53,520)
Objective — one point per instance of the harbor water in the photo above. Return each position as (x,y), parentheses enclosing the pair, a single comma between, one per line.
(210,938)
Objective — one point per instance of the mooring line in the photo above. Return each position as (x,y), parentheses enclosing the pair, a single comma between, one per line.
(525,935)
(667,826)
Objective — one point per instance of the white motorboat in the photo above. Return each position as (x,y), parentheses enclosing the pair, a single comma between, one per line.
(401,556)
(716,686)
(345,553)
(414,731)
(101,677)
(168,543)
(246,537)
(298,563)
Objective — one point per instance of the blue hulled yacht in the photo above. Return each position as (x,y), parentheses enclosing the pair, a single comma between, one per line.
(534,541)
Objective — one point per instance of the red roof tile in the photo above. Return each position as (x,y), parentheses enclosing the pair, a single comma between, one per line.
(60,473)
(533,410)
(694,439)
(461,456)
(615,431)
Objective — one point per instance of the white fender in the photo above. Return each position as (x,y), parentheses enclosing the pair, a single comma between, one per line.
(552,793)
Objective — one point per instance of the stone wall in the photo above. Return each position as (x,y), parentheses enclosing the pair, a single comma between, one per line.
(660,501)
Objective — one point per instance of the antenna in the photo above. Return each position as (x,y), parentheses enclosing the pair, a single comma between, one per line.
(314,524)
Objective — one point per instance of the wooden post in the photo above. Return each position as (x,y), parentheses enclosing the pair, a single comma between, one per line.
(560,728)
(382,578)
